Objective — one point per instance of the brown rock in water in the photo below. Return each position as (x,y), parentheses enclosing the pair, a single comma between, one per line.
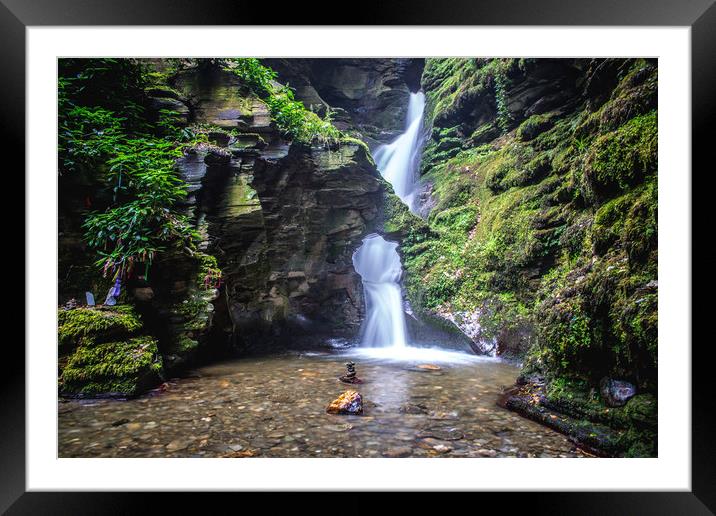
(428,367)
(413,408)
(444,434)
(350,402)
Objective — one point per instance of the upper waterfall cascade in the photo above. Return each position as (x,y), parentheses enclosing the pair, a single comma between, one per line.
(377,260)
(398,160)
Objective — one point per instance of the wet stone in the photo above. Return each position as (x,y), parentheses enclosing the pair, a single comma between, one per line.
(444,415)
(350,402)
(435,445)
(401,451)
(446,434)
(413,408)
(177,445)
(338,428)
(428,367)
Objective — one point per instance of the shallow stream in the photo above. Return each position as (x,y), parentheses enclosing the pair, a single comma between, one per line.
(275,407)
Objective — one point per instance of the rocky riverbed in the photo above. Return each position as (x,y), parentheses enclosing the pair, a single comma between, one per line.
(276,407)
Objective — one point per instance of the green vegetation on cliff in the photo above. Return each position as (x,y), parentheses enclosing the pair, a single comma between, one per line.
(110,145)
(543,176)
(289,114)
(122,129)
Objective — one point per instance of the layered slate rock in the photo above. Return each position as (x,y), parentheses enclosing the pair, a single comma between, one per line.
(282,219)
(368,96)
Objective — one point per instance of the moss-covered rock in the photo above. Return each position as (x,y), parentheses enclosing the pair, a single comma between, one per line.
(533,126)
(117,368)
(95,324)
(103,353)
(620,159)
(576,409)
(398,221)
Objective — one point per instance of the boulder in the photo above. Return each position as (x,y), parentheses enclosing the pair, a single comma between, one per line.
(348,403)
(616,392)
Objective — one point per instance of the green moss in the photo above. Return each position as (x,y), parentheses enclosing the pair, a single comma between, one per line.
(621,158)
(185,344)
(123,367)
(484,133)
(162,91)
(534,125)
(95,324)
(630,220)
(635,95)
(399,221)
(195,313)
(454,85)
(349,140)
(632,427)
(552,225)
(570,335)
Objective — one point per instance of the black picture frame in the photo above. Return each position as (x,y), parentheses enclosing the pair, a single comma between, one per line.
(700,15)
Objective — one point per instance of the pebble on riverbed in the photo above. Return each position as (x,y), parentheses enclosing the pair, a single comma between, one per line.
(398,452)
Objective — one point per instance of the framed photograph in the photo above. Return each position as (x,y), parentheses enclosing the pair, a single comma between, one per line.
(422,249)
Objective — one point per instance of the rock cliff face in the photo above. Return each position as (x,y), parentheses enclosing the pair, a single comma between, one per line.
(283,220)
(366,96)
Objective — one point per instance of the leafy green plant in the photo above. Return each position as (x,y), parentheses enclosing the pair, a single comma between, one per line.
(105,137)
(289,114)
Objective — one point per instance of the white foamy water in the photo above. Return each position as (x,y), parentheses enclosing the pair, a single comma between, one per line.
(398,160)
(417,355)
(378,263)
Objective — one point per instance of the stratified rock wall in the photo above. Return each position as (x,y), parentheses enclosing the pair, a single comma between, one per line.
(366,96)
(282,219)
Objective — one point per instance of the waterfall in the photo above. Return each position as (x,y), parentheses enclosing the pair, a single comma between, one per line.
(378,263)
(398,160)
(377,260)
